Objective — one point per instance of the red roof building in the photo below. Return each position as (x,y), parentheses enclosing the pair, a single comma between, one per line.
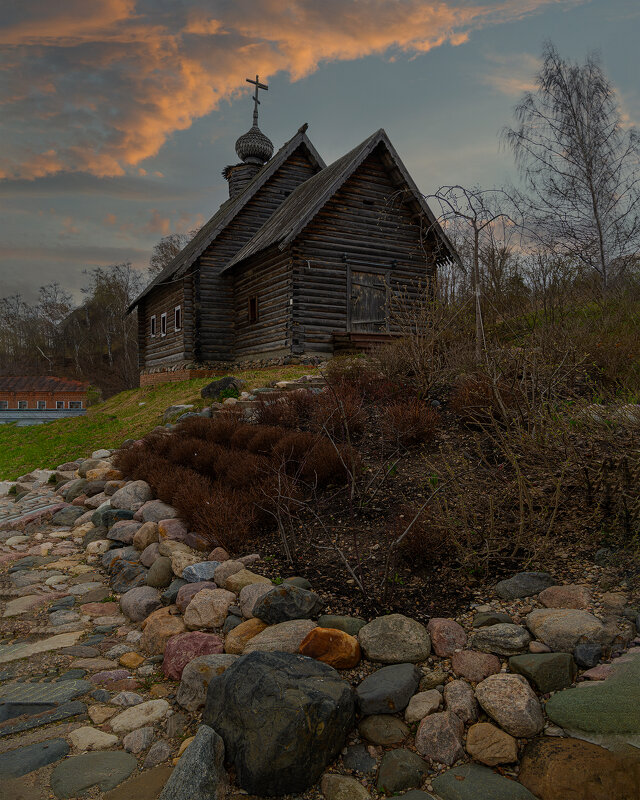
(41,393)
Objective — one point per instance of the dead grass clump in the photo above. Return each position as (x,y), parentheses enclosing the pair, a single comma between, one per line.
(424,540)
(478,400)
(408,422)
(265,438)
(340,413)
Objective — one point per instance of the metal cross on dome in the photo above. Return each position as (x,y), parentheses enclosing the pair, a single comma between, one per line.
(256,102)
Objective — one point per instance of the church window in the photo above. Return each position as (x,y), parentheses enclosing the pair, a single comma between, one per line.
(163,324)
(152,328)
(177,317)
(253,309)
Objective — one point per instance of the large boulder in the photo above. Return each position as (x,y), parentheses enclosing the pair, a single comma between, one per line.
(570,769)
(564,628)
(308,708)
(395,639)
(208,609)
(287,602)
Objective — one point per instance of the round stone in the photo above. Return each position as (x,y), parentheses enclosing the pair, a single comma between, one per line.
(383,729)
(395,639)
(510,701)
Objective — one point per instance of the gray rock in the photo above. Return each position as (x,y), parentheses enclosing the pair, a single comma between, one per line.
(359,760)
(123,531)
(287,602)
(63,617)
(510,701)
(132,496)
(126,576)
(285,637)
(23,760)
(249,597)
(505,639)
(105,770)
(127,699)
(173,411)
(213,389)
(160,573)
(301,583)
(460,700)
(548,672)
(196,677)
(350,625)
(395,639)
(200,773)
(484,618)
(202,571)
(473,782)
(138,740)
(401,769)
(231,622)
(170,594)
(388,690)
(562,629)
(342,787)
(587,655)
(150,553)
(383,729)
(155,510)
(524,584)
(67,516)
(158,754)
(310,711)
(139,602)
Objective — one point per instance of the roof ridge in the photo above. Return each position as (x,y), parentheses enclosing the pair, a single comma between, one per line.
(227,212)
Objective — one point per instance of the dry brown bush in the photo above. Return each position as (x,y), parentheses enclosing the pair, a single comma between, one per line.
(408,422)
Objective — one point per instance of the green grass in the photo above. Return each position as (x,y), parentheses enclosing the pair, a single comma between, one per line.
(128,415)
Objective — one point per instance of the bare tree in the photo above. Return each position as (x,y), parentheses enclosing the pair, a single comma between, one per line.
(476,211)
(167,249)
(580,166)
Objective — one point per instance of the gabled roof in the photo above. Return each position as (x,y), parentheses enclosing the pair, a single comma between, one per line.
(306,200)
(228,211)
(40,383)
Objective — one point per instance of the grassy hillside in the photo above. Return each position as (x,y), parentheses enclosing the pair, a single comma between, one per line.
(127,415)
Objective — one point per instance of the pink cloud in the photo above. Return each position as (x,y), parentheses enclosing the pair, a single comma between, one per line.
(105,83)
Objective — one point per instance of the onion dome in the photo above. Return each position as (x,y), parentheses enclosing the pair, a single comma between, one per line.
(253,147)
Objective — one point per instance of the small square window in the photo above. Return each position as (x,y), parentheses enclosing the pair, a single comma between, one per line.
(253,309)
(152,328)
(177,317)
(163,324)
(22,404)
(42,403)
(4,405)
(75,403)
(59,403)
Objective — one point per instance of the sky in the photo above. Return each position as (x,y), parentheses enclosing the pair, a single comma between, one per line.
(117,116)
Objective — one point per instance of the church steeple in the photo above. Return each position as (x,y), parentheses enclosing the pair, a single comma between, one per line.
(254,149)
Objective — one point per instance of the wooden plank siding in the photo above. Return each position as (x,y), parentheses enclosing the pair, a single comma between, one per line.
(366,226)
(157,350)
(267,278)
(215,306)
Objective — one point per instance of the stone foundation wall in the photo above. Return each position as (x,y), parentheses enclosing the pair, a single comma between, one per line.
(187,372)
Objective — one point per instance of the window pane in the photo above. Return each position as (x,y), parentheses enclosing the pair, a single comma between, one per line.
(4,404)
(59,403)
(42,403)
(22,403)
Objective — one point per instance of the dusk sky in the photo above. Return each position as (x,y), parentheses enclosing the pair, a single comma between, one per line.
(117,116)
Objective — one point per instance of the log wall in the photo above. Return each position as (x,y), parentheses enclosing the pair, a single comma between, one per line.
(368,225)
(158,349)
(215,306)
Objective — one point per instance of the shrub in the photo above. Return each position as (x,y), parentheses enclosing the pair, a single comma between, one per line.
(478,400)
(408,422)
(340,413)
(264,439)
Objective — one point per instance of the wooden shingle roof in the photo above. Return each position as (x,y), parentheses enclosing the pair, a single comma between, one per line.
(306,200)
(227,212)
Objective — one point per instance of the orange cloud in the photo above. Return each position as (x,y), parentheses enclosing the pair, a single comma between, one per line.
(107,82)
(513,73)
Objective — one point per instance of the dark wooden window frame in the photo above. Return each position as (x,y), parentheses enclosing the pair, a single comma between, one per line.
(4,405)
(75,403)
(163,324)
(177,318)
(59,403)
(22,404)
(152,326)
(253,309)
(40,404)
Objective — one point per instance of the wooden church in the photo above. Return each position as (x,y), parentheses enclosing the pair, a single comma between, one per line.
(302,260)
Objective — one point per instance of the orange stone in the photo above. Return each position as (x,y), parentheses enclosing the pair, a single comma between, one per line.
(238,637)
(331,646)
(100,609)
(159,627)
(131,660)
(160,690)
